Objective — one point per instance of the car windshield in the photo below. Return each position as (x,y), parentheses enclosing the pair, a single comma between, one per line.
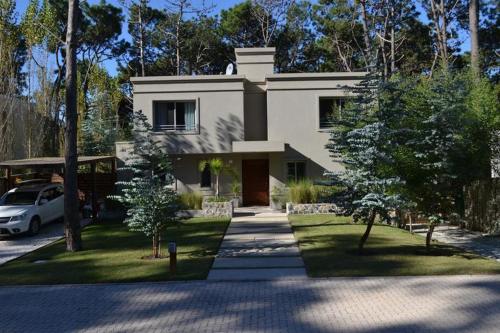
(19,198)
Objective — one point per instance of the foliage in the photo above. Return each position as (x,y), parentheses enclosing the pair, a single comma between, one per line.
(399,154)
(191,200)
(150,200)
(217,167)
(305,191)
(235,188)
(217,199)
(99,126)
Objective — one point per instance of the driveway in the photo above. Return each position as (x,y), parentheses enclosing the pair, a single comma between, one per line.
(375,304)
(12,247)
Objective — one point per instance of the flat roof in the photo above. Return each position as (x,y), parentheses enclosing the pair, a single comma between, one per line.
(52,161)
(186,78)
(315,76)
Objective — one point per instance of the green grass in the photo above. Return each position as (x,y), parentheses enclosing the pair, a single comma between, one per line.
(329,247)
(113,254)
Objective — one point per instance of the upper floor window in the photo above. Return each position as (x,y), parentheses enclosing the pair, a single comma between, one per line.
(175,116)
(330,108)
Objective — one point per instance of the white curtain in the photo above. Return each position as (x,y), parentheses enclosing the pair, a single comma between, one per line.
(190,116)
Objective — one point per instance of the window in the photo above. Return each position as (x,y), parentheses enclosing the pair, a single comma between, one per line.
(175,116)
(329,108)
(296,171)
(206,177)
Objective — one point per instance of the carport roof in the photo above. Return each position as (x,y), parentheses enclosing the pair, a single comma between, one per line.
(52,161)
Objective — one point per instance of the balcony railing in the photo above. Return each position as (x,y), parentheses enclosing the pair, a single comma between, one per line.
(178,128)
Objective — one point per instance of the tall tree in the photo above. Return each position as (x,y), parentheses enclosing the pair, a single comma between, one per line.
(474,36)
(71,207)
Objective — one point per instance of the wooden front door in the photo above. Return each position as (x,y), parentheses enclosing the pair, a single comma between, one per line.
(255,182)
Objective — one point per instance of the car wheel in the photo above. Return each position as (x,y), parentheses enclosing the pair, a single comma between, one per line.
(34,226)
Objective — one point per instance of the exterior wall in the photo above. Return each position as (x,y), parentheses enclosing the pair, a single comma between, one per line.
(188,176)
(219,102)
(293,118)
(255,112)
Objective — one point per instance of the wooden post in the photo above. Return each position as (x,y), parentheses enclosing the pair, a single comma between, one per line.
(94,192)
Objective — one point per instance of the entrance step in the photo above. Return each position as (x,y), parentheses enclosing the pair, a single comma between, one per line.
(242,262)
(257,274)
(284,251)
(257,229)
(259,236)
(256,243)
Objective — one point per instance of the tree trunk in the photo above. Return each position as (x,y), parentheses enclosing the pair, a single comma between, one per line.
(156,245)
(71,215)
(371,220)
(366,35)
(428,238)
(141,40)
(217,186)
(474,37)
(393,43)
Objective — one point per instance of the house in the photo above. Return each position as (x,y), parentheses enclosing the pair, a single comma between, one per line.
(271,128)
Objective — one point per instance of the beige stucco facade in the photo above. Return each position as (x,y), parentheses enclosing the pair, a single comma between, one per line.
(254,115)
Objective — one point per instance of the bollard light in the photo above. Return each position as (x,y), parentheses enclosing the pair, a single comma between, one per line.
(172,249)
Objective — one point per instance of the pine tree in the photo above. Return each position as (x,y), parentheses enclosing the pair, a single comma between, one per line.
(148,196)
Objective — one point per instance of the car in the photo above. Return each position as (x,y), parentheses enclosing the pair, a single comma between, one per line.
(27,208)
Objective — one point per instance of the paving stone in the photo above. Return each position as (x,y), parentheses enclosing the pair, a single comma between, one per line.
(254,274)
(458,304)
(246,262)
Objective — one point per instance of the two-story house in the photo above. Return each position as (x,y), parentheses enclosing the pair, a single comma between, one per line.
(271,128)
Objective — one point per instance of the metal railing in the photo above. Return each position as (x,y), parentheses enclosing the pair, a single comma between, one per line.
(178,128)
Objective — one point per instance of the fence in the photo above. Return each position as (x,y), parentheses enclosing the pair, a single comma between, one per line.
(482,206)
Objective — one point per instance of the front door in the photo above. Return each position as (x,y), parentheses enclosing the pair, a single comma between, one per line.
(255,182)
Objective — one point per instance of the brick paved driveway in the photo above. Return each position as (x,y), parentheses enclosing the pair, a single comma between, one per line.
(401,304)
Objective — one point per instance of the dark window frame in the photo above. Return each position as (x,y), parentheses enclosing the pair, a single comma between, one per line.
(323,122)
(206,177)
(177,126)
(295,177)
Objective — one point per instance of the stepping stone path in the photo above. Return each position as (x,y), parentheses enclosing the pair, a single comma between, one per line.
(258,247)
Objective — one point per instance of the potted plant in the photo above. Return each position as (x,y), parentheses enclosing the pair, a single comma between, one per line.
(236,190)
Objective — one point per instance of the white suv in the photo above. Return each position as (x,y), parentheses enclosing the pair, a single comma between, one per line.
(27,208)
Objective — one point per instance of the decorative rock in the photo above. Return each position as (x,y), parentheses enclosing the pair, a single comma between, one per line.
(217,209)
(316,208)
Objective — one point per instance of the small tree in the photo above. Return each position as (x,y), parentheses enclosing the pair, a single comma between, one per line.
(216,167)
(364,141)
(150,201)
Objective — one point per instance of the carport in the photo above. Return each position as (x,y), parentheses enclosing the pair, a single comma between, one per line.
(97,184)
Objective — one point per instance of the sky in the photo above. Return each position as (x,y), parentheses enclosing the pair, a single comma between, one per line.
(111,65)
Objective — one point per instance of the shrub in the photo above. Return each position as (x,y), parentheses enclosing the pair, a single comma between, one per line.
(191,200)
(305,191)
(217,199)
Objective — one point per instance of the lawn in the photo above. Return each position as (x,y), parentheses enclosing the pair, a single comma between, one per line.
(113,254)
(329,248)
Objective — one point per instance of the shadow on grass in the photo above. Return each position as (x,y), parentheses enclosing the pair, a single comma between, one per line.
(113,254)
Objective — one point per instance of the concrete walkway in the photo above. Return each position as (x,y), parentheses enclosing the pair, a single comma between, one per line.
(448,304)
(15,246)
(258,246)
(486,246)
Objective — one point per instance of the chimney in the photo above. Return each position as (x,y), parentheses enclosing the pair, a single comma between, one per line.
(255,63)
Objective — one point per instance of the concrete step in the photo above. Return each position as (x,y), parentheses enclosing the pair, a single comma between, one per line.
(284,251)
(263,219)
(258,236)
(256,229)
(257,274)
(269,262)
(257,243)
